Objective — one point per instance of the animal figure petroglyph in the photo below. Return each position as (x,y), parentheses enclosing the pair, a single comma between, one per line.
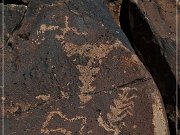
(64,131)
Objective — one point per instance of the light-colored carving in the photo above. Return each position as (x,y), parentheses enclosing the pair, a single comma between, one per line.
(87,72)
(90,132)
(93,52)
(67,29)
(3,98)
(13,109)
(43,97)
(64,95)
(45,130)
(40,33)
(123,107)
(45,27)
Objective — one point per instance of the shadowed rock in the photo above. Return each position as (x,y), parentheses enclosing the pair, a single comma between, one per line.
(151,27)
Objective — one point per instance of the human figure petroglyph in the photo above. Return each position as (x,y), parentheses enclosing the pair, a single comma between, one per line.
(47,27)
(93,52)
(67,29)
(123,107)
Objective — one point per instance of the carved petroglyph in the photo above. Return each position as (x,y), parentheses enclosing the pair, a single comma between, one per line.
(17,107)
(93,52)
(68,29)
(123,107)
(64,95)
(43,97)
(40,33)
(45,27)
(64,131)
(90,132)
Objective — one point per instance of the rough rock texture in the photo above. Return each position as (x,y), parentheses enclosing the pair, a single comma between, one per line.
(70,70)
(160,18)
(151,27)
(17,2)
(114,7)
(14,15)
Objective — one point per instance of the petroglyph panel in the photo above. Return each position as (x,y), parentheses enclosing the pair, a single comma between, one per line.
(77,74)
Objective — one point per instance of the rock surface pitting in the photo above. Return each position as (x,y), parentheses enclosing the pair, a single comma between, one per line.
(71,70)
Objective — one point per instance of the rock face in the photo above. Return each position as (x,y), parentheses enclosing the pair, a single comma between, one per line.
(70,70)
(14,15)
(151,27)
(114,7)
(157,17)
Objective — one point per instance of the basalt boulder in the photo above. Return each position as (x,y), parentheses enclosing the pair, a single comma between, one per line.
(150,26)
(69,69)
